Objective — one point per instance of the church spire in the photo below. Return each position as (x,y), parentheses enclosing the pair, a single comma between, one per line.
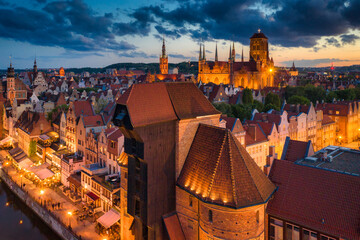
(200,53)
(242,54)
(204,58)
(163,49)
(230,52)
(216,53)
(233,52)
(35,66)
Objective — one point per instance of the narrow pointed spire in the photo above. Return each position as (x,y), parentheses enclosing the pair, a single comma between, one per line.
(230,52)
(200,53)
(163,48)
(242,55)
(216,53)
(233,52)
(204,58)
(293,65)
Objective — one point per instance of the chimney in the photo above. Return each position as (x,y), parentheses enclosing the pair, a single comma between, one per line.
(252,131)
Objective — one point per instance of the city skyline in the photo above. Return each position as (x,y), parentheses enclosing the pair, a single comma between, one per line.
(88,33)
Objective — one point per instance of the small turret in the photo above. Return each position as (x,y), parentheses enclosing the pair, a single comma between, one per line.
(200,58)
(230,53)
(163,49)
(10,71)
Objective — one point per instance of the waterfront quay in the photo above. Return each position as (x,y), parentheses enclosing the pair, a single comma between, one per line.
(58,212)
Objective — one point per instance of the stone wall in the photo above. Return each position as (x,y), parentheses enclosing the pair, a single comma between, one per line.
(44,214)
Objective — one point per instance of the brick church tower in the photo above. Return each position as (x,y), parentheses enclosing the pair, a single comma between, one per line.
(164,69)
(259,48)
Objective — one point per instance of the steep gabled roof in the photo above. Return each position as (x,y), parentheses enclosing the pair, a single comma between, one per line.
(159,102)
(318,199)
(188,101)
(220,171)
(84,108)
(295,150)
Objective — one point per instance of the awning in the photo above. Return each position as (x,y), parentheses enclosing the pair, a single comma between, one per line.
(44,173)
(74,181)
(93,196)
(26,164)
(109,218)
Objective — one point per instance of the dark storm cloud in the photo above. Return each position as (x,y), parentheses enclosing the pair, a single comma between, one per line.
(67,24)
(333,41)
(289,23)
(349,38)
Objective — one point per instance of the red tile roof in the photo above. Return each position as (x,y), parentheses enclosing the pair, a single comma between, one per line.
(327,120)
(295,150)
(307,195)
(220,171)
(148,104)
(173,227)
(115,135)
(159,102)
(188,101)
(254,136)
(84,108)
(93,121)
(268,117)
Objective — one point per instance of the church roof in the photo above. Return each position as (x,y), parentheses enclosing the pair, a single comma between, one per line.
(258,35)
(218,170)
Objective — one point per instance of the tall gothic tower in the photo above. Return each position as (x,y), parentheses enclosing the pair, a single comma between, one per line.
(10,83)
(164,68)
(259,47)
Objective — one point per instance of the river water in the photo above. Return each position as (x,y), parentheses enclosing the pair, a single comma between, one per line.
(12,211)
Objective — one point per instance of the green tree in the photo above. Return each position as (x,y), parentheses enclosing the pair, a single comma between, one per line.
(314,93)
(32,148)
(224,108)
(330,96)
(273,99)
(347,94)
(257,105)
(241,111)
(291,91)
(299,100)
(270,106)
(247,97)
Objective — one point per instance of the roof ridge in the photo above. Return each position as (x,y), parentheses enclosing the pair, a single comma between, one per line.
(232,171)
(247,169)
(217,164)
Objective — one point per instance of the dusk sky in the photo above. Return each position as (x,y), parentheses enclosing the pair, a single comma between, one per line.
(93,33)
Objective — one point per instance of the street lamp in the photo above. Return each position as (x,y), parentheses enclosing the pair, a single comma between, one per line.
(21,176)
(41,193)
(69,214)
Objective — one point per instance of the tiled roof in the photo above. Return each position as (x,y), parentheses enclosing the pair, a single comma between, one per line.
(254,137)
(93,121)
(334,108)
(115,135)
(318,199)
(148,104)
(220,171)
(188,101)
(173,226)
(295,150)
(327,120)
(233,124)
(160,102)
(268,117)
(84,108)
(258,35)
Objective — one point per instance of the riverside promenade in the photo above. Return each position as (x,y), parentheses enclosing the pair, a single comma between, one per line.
(59,218)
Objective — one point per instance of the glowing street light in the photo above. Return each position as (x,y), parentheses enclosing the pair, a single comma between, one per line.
(270,69)
(69,214)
